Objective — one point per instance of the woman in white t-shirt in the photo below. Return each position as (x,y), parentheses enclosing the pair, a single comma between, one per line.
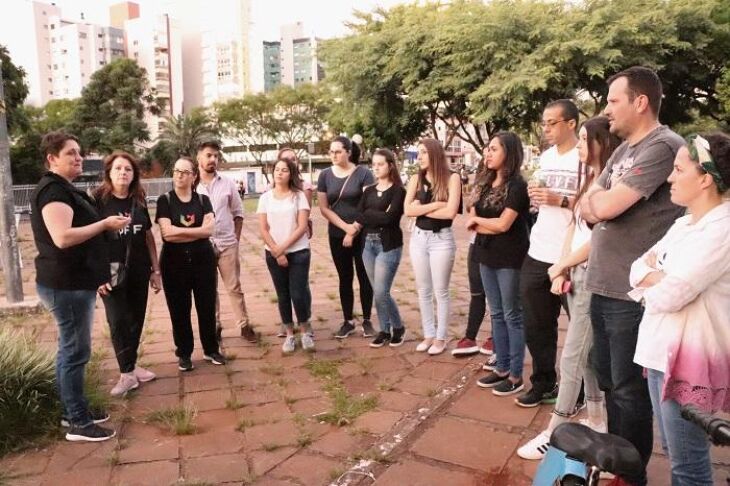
(595,146)
(283,215)
(684,282)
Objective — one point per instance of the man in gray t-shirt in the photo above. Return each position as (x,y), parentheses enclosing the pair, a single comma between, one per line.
(631,208)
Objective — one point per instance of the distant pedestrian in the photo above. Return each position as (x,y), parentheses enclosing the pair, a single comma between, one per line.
(134,265)
(433,198)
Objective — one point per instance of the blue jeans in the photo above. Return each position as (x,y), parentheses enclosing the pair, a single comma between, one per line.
(292,285)
(73,311)
(502,287)
(684,442)
(381,267)
(615,330)
(432,256)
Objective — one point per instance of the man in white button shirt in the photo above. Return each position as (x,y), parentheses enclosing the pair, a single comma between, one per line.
(228,210)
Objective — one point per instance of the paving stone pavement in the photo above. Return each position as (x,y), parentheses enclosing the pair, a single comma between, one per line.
(259,417)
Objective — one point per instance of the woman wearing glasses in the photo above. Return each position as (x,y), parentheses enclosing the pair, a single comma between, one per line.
(121,194)
(188,263)
(339,189)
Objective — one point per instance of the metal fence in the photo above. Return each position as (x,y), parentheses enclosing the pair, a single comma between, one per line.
(153,189)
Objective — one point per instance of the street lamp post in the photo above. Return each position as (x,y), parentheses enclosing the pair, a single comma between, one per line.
(8,231)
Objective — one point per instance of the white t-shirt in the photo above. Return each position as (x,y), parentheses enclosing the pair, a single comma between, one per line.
(281,215)
(581,234)
(560,173)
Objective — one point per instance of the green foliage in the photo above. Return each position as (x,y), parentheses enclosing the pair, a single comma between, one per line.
(480,67)
(110,113)
(182,134)
(180,420)
(15,91)
(29,407)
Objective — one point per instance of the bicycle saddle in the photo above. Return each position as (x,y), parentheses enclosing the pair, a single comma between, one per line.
(608,452)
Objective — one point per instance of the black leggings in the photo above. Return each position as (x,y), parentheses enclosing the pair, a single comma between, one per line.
(125,312)
(187,274)
(478,302)
(343,258)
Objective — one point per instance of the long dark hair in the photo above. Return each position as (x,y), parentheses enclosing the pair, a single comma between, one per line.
(104,191)
(350,147)
(514,155)
(394,174)
(598,131)
(439,168)
(295,179)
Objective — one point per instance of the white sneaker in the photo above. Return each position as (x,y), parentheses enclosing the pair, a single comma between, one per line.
(536,448)
(290,344)
(307,342)
(437,347)
(127,382)
(143,375)
(602,428)
(424,345)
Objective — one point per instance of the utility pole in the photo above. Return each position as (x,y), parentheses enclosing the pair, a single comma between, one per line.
(8,231)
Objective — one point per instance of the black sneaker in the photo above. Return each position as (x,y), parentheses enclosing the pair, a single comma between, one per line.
(98,416)
(367,328)
(380,340)
(491,380)
(398,337)
(508,387)
(90,433)
(249,334)
(185,364)
(550,397)
(532,398)
(345,330)
(215,358)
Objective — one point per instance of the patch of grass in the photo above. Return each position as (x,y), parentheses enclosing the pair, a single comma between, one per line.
(432,392)
(233,404)
(385,386)
(249,479)
(113,458)
(461,313)
(304,439)
(331,296)
(271,447)
(336,473)
(94,388)
(299,419)
(193,482)
(365,365)
(371,455)
(324,369)
(180,419)
(29,407)
(290,400)
(231,356)
(272,369)
(346,408)
(273,299)
(321,319)
(244,424)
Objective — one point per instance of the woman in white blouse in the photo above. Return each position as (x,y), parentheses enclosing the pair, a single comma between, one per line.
(283,216)
(684,282)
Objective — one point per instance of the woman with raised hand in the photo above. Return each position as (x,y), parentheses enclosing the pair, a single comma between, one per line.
(283,216)
(339,189)
(684,283)
(134,265)
(378,218)
(595,145)
(500,218)
(433,198)
(188,263)
(71,264)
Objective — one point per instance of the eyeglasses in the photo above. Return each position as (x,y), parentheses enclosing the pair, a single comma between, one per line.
(550,123)
(182,172)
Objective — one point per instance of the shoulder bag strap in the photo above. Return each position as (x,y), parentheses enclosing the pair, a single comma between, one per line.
(343,187)
(131,235)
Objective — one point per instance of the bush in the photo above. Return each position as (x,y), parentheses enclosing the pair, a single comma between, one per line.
(29,405)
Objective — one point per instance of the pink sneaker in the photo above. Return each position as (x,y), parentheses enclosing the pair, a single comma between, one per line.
(143,375)
(127,382)
(487,348)
(465,347)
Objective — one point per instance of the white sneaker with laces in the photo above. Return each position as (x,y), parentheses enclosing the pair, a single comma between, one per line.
(602,428)
(127,382)
(424,345)
(307,342)
(290,344)
(143,375)
(536,448)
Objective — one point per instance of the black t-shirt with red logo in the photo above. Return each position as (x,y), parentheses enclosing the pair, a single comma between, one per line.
(184,215)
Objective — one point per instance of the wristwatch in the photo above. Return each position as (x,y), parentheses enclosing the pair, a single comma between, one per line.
(565,202)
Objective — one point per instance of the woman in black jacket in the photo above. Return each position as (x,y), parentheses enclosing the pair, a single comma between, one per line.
(379,213)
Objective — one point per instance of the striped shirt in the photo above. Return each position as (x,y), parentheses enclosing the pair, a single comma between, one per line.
(227,206)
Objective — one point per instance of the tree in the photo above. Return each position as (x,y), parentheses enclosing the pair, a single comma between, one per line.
(182,134)
(16,91)
(298,114)
(249,121)
(110,114)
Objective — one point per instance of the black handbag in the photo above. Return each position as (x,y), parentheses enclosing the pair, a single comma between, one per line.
(120,270)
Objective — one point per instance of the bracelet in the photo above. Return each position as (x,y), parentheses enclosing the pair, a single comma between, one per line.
(157,272)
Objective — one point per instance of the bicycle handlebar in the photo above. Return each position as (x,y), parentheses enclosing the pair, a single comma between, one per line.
(717,429)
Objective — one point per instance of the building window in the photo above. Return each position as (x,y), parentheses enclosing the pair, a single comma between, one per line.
(82,35)
(53,26)
(135,43)
(100,35)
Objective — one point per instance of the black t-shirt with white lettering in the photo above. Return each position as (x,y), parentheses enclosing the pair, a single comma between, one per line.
(139,256)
